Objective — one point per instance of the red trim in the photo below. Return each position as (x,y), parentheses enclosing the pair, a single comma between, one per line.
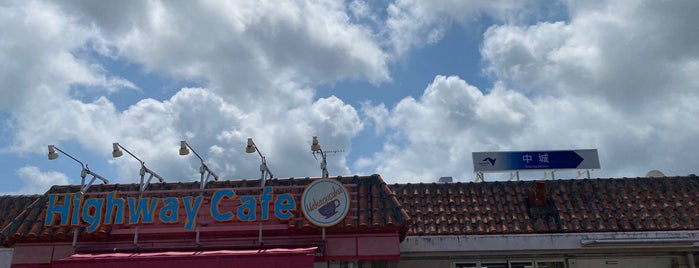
(278,257)
(360,258)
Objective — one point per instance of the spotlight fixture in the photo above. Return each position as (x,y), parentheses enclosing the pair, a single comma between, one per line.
(116,152)
(251,148)
(184,150)
(315,146)
(83,173)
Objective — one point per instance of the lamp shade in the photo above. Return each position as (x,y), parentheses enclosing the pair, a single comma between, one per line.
(315,146)
(116,152)
(251,146)
(52,153)
(183,148)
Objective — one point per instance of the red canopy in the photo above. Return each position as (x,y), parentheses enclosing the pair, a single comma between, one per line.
(277,257)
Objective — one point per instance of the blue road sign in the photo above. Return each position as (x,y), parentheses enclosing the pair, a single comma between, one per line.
(535,160)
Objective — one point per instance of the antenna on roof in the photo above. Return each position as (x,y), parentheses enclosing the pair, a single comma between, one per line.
(315,148)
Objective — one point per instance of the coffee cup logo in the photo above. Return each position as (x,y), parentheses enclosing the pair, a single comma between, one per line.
(325,202)
(330,209)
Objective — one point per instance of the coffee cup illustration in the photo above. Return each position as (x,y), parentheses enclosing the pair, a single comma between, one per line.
(330,209)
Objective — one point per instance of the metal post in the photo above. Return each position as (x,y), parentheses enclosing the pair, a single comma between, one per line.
(197,237)
(201,181)
(259,236)
(135,236)
(75,236)
(201,186)
(690,260)
(263,169)
(480,177)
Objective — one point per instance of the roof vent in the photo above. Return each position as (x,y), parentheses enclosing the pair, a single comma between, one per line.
(655,174)
(446,179)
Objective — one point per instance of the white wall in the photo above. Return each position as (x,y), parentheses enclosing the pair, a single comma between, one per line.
(5,257)
(622,263)
(424,263)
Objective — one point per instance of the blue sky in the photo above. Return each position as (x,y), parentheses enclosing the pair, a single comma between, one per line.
(408,89)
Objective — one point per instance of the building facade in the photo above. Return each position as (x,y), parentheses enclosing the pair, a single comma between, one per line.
(625,222)
(358,221)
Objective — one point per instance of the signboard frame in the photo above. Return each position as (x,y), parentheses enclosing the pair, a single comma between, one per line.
(507,161)
(321,201)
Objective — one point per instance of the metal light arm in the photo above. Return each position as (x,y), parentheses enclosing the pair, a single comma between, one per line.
(264,168)
(116,144)
(193,151)
(252,147)
(153,174)
(144,169)
(94,177)
(84,169)
(66,154)
(204,168)
(185,148)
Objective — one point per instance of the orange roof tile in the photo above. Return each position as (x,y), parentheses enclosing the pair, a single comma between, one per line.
(556,206)
(10,207)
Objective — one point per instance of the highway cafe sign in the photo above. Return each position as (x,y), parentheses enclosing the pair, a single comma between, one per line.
(331,204)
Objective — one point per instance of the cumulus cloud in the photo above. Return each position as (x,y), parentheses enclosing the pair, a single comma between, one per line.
(442,128)
(619,52)
(249,44)
(256,68)
(35,181)
(608,78)
(452,119)
(617,76)
(413,24)
(37,59)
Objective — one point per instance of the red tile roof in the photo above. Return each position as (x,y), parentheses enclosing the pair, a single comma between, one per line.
(374,208)
(556,206)
(10,207)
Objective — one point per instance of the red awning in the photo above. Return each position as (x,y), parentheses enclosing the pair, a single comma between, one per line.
(277,257)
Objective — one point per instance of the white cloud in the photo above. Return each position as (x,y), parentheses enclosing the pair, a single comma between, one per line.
(248,44)
(37,59)
(377,115)
(618,76)
(255,62)
(35,181)
(413,23)
(360,9)
(435,135)
(620,52)
(610,78)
